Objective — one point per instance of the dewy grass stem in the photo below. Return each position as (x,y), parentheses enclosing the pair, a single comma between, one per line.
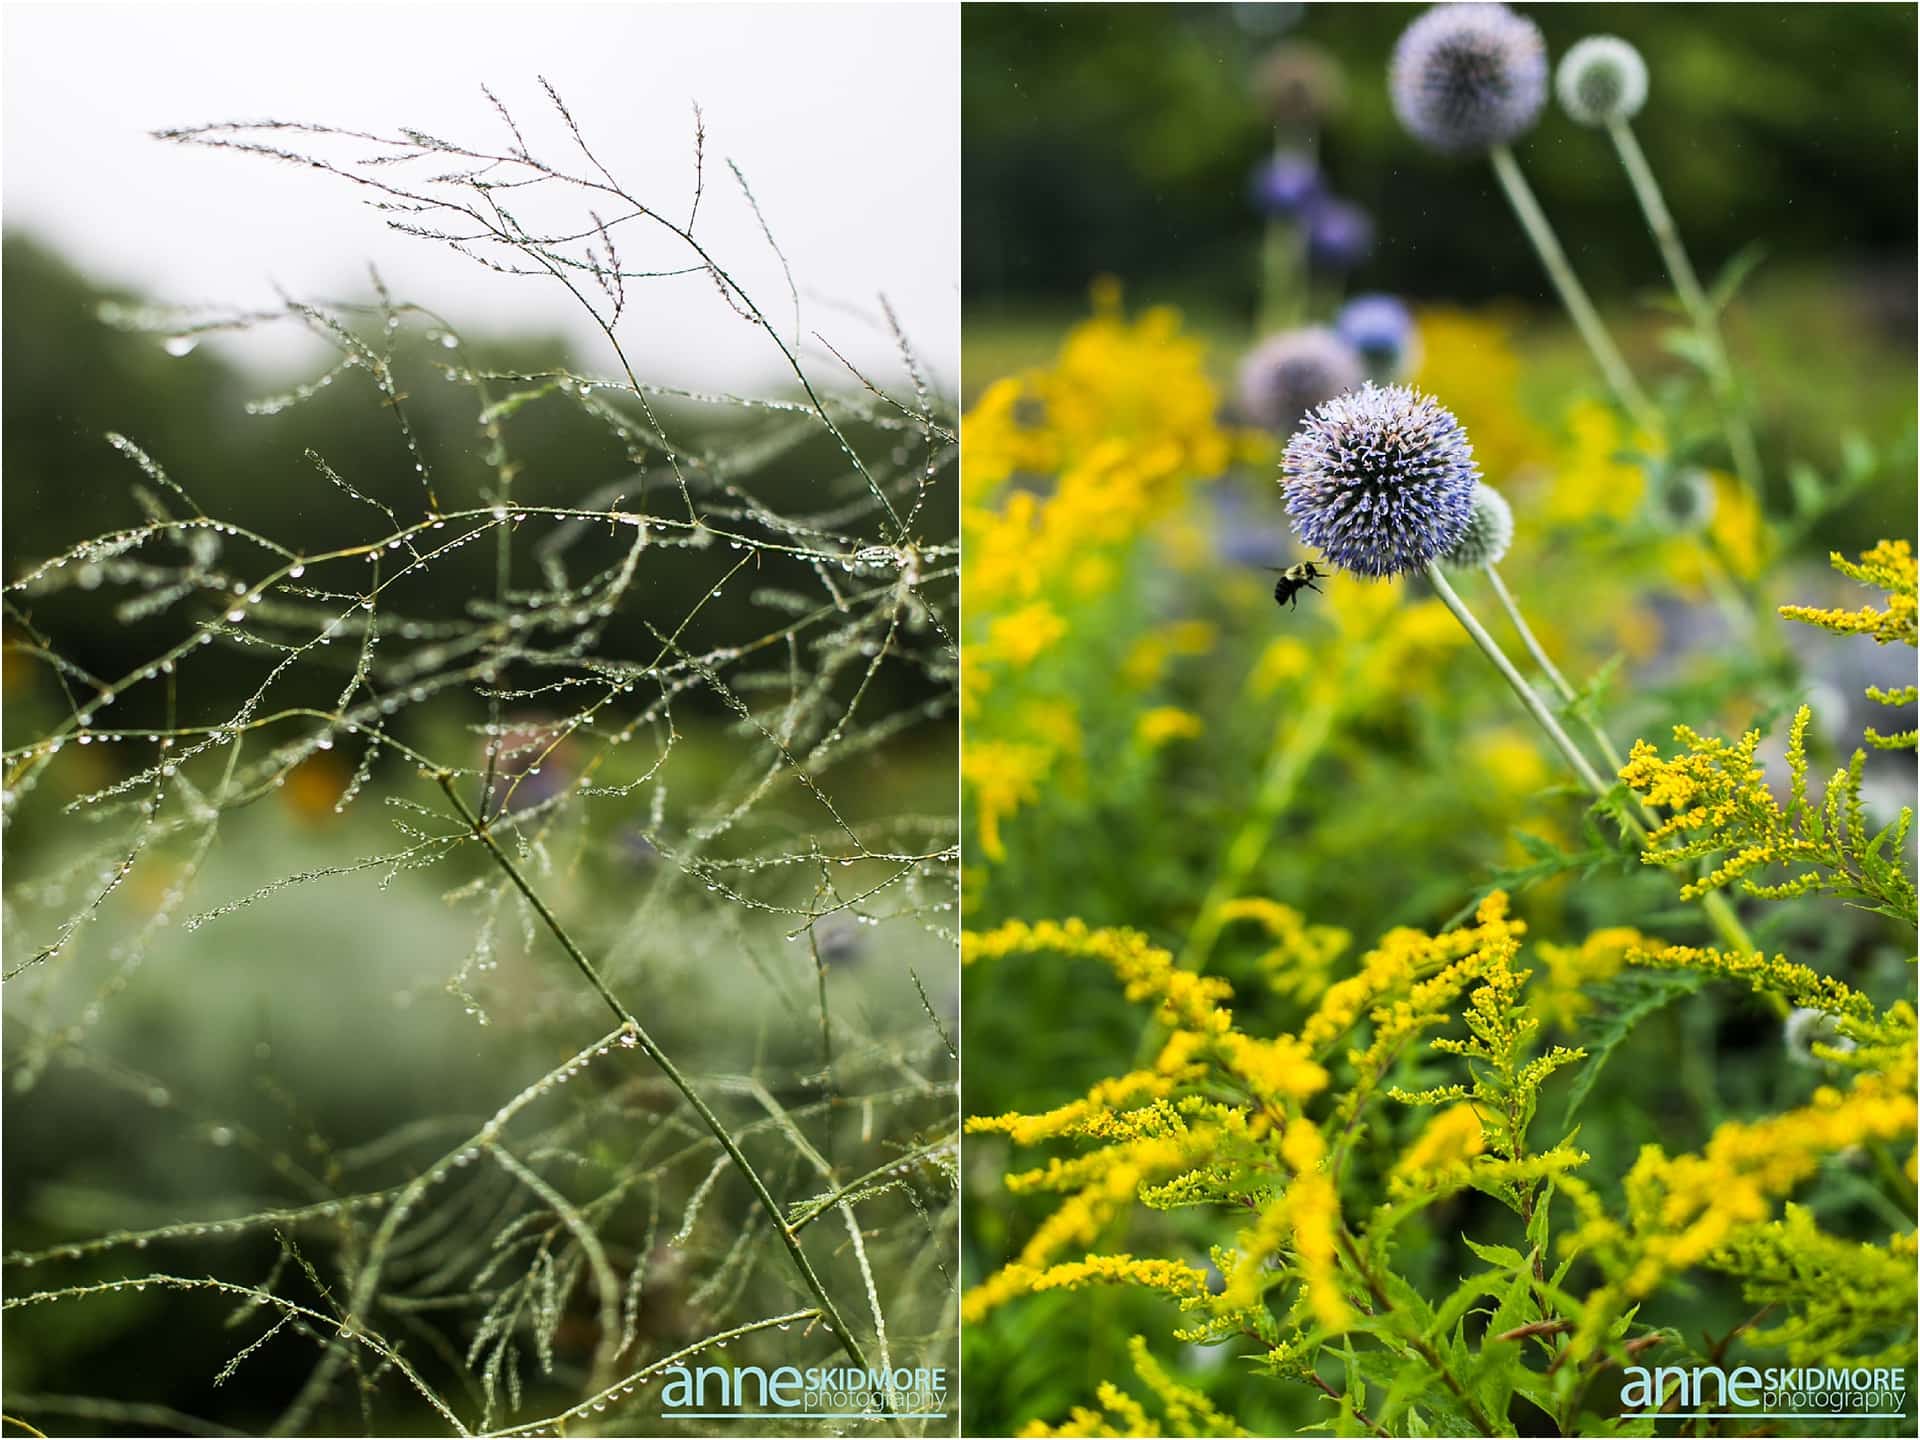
(648,1047)
(1572,294)
(1718,911)
(1686,284)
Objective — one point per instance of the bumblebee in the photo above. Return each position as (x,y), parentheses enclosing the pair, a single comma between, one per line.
(1294,579)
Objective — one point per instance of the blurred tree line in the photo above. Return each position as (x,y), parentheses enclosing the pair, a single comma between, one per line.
(1120,139)
(72,379)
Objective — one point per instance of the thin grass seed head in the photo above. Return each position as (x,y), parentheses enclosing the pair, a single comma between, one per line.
(1467,77)
(1339,234)
(1489,532)
(1602,79)
(1285,185)
(1381,328)
(1380,480)
(1289,374)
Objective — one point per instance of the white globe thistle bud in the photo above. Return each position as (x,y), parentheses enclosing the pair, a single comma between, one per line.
(1488,535)
(1680,499)
(1807,1028)
(1601,80)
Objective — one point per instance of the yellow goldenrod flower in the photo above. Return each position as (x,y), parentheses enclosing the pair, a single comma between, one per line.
(1166,723)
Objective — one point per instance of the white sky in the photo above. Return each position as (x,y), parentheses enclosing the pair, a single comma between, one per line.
(844,117)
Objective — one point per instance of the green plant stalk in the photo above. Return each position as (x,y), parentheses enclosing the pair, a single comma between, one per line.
(1559,683)
(1686,284)
(1572,294)
(647,1046)
(1295,743)
(1719,912)
(1283,277)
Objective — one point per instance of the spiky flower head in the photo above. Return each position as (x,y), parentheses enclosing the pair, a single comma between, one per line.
(1286,375)
(1380,327)
(1380,480)
(1600,80)
(1488,534)
(1466,77)
(1286,184)
(1339,233)
(1299,84)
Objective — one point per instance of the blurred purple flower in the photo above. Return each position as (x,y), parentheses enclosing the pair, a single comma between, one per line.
(1285,185)
(1286,375)
(1380,480)
(1470,76)
(1339,234)
(1380,327)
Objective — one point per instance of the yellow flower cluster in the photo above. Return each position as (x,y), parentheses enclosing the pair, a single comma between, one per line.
(1561,999)
(1451,1138)
(1724,811)
(1681,1209)
(1068,466)
(1164,724)
(1890,567)
(1302,955)
(1185,1410)
(1161,1136)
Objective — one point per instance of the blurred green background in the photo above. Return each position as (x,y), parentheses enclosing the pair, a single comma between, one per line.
(1120,138)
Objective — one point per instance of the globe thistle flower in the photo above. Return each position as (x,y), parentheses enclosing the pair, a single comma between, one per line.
(1339,234)
(1380,480)
(1288,374)
(1601,80)
(1299,84)
(1380,327)
(1680,499)
(1488,534)
(1285,185)
(1806,1028)
(1467,77)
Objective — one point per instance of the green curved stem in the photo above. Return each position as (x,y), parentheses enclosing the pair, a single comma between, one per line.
(648,1047)
(1572,294)
(1719,913)
(1296,740)
(1686,284)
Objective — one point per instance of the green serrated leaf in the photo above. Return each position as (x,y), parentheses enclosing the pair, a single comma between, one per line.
(1627,1000)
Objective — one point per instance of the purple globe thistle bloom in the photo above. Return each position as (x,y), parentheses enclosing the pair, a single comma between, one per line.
(1339,234)
(1380,327)
(1380,480)
(1285,185)
(1467,77)
(1286,375)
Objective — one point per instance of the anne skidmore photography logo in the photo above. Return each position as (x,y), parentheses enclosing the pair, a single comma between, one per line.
(1748,1392)
(753,1392)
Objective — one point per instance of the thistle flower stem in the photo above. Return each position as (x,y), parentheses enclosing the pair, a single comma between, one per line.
(1572,294)
(1560,683)
(1283,280)
(1686,284)
(651,1049)
(1529,697)
(1718,911)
